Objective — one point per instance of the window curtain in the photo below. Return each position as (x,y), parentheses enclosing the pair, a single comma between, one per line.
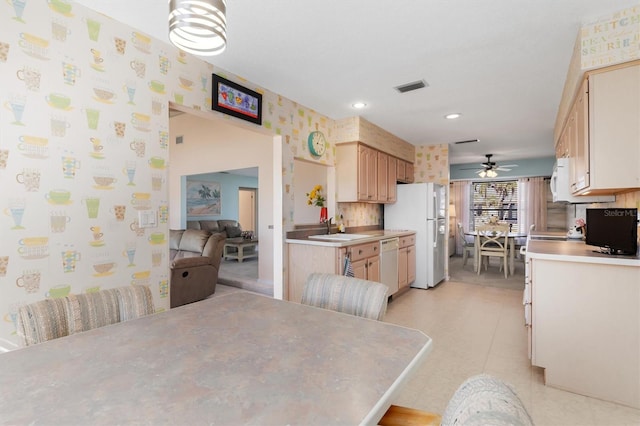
(460,196)
(532,204)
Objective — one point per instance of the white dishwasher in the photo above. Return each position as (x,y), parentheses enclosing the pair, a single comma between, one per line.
(389,263)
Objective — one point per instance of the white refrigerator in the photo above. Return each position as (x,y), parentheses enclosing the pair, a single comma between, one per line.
(421,207)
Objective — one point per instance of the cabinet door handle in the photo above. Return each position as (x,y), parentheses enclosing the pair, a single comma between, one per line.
(359,251)
(375,248)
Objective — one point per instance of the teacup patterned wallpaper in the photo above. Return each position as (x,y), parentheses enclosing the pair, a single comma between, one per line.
(83,150)
(432,164)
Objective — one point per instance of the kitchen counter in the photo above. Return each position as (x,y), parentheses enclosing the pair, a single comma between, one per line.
(576,251)
(583,309)
(372,236)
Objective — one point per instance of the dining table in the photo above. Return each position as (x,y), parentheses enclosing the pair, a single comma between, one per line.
(238,358)
(511,240)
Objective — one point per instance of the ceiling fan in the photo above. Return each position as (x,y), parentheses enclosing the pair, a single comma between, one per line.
(490,168)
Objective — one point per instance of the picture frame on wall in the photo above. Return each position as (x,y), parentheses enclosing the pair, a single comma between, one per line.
(236,100)
(203,198)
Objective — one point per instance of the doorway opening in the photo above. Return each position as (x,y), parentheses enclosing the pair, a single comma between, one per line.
(248,208)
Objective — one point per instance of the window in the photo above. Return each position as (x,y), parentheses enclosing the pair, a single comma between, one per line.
(499,199)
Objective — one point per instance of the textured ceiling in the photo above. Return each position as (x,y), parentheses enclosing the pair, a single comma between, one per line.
(500,63)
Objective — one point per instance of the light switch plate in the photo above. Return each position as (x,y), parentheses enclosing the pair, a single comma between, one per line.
(147,218)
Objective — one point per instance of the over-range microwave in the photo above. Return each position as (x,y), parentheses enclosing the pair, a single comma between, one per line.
(561,187)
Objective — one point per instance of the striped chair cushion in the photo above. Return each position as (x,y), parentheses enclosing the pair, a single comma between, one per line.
(42,321)
(134,301)
(353,296)
(485,400)
(93,310)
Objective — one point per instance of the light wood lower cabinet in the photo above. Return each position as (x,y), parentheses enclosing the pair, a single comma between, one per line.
(365,259)
(586,328)
(304,259)
(406,261)
(402,268)
(411,264)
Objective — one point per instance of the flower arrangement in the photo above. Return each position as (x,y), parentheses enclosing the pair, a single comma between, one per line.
(581,226)
(315,198)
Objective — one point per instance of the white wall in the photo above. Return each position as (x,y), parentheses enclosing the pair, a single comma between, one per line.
(308,175)
(214,145)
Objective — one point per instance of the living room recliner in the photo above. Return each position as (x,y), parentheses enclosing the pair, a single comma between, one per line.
(195,260)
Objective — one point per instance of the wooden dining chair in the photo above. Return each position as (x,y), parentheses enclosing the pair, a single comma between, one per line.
(467,246)
(493,240)
(348,295)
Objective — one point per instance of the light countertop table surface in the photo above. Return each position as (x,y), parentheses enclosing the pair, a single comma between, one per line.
(576,251)
(373,236)
(239,358)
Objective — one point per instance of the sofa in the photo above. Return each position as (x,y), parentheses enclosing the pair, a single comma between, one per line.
(231,228)
(195,256)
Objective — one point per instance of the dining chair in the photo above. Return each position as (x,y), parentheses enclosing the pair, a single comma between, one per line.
(40,321)
(493,240)
(134,301)
(522,241)
(348,295)
(467,246)
(92,310)
(480,400)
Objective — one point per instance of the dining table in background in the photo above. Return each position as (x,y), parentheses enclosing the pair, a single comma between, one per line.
(512,236)
(239,358)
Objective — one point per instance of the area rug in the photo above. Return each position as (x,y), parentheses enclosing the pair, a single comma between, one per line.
(492,277)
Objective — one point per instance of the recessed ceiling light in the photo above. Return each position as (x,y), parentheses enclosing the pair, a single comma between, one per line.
(452,116)
(359,105)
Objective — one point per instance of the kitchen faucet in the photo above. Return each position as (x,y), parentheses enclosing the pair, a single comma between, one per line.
(328,222)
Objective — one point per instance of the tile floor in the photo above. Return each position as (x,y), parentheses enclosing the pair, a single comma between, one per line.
(479,329)
(477,326)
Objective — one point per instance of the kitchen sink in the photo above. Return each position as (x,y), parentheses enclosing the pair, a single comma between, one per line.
(339,237)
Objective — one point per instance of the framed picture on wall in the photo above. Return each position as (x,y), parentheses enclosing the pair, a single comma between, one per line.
(203,198)
(233,99)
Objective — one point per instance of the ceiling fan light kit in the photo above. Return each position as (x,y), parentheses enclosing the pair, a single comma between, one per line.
(198,26)
(490,169)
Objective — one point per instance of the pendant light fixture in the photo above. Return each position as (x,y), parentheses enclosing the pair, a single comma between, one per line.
(198,26)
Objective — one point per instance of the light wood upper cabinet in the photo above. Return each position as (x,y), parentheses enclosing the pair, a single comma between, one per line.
(613,130)
(400,171)
(404,172)
(409,174)
(601,134)
(367,174)
(356,173)
(364,174)
(391,180)
(579,166)
(383,177)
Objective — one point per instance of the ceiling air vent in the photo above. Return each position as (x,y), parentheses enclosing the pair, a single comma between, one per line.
(469,141)
(411,86)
